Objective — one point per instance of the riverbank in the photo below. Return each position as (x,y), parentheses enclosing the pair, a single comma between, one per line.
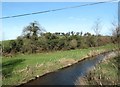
(106,73)
(22,68)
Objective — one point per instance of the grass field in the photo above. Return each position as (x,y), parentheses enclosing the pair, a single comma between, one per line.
(21,68)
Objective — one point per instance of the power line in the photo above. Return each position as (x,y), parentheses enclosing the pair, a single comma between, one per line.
(58,9)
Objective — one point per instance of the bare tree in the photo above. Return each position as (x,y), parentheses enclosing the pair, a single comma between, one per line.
(97,28)
(116,34)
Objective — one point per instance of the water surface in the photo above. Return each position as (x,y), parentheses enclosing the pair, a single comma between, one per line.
(69,75)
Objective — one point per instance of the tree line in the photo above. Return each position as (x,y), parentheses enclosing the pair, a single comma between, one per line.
(35,39)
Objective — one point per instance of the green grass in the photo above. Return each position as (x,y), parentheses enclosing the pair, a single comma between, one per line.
(21,68)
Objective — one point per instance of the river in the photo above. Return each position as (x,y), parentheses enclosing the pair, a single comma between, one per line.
(71,74)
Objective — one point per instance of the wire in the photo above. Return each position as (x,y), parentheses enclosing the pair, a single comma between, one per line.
(58,9)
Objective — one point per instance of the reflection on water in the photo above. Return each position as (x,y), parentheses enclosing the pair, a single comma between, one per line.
(69,75)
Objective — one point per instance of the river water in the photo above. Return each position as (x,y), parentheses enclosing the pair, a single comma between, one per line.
(69,75)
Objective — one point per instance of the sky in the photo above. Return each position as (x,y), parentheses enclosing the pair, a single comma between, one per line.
(74,19)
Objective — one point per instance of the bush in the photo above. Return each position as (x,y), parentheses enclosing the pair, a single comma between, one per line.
(73,44)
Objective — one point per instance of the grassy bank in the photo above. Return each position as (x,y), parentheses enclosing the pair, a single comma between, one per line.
(106,73)
(21,68)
